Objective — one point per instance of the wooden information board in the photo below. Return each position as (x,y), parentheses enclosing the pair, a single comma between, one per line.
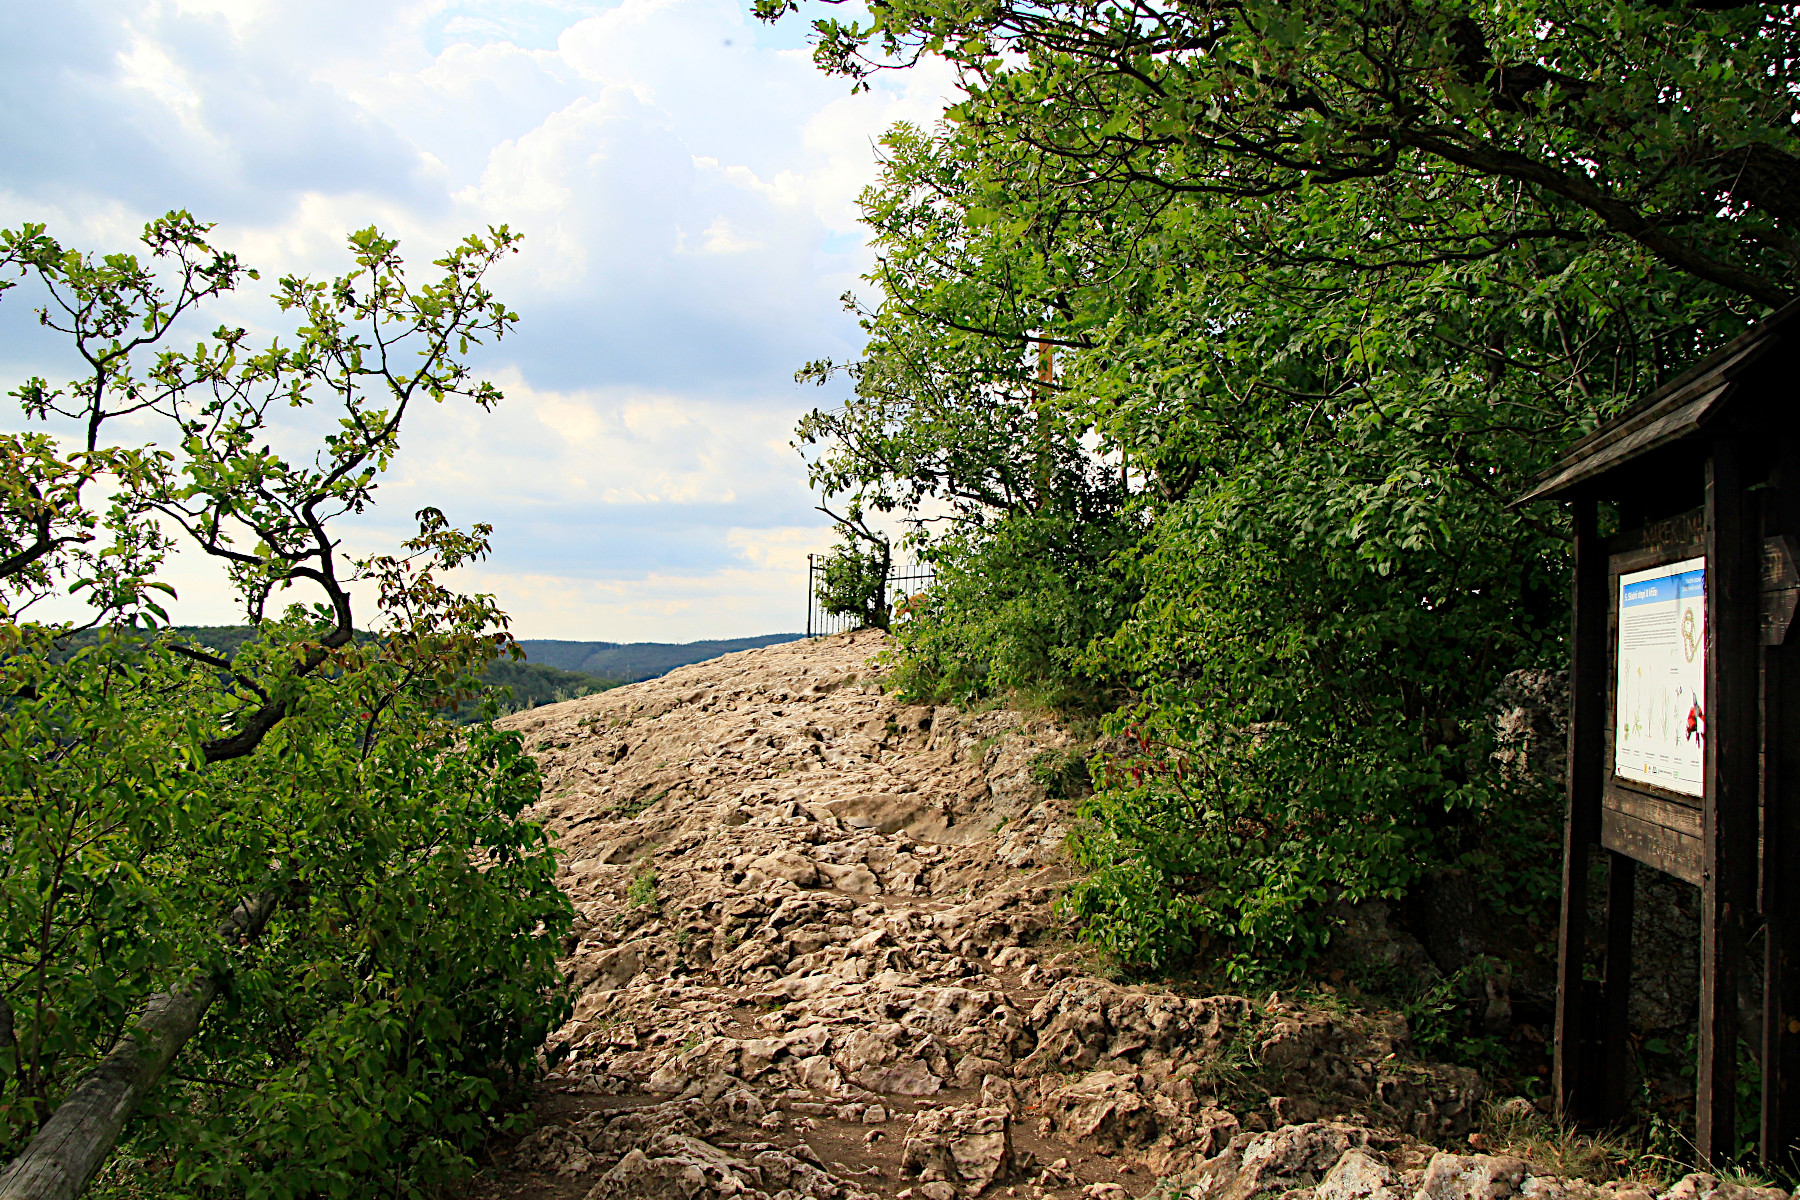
(1684,718)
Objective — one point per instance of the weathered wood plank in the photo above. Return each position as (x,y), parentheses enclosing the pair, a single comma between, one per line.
(1665,810)
(1729,820)
(1781,913)
(1688,528)
(1778,609)
(1573,1083)
(1668,850)
(1779,568)
(1781,846)
(1653,554)
(1615,999)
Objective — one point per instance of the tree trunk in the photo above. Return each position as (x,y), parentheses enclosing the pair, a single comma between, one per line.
(66,1152)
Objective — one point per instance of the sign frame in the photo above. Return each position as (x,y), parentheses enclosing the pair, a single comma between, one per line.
(1657,826)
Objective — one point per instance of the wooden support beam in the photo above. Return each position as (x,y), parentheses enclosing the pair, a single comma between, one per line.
(1729,806)
(1781,843)
(1781,914)
(1575,1084)
(1613,1051)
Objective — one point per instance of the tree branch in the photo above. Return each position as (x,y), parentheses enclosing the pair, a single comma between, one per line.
(62,1158)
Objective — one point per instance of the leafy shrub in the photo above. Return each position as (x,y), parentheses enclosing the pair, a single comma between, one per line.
(853,583)
(1014,606)
(1063,774)
(391,1014)
(1237,468)
(387,972)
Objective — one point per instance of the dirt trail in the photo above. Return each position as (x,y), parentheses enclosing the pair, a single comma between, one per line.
(817,957)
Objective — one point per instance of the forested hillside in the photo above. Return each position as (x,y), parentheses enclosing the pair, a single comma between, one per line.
(512,685)
(632,661)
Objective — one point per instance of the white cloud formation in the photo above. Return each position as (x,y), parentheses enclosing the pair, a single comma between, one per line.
(686,182)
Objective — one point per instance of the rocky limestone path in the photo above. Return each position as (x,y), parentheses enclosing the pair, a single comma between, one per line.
(817,959)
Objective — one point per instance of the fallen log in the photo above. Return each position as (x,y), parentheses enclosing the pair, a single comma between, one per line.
(72,1144)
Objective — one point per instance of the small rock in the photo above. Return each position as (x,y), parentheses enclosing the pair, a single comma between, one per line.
(1358,1175)
(1711,1187)
(553,1150)
(972,1145)
(796,868)
(911,1078)
(1473,1177)
(999,1092)
(1514,1111)
(1295,1110)
(744,1106)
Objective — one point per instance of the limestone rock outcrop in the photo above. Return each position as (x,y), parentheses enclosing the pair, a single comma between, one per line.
(818,957)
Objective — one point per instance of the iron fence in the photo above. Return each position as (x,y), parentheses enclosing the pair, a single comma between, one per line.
(903,581)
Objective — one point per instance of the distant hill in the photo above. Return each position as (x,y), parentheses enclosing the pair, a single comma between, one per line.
(532,684)
(527,684)
(632,661)
(553,671)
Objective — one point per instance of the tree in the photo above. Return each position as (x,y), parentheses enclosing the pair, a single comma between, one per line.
(1325,287)
(1667,125)
(297,827)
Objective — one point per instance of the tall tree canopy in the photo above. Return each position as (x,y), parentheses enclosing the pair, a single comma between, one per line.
(1322,286)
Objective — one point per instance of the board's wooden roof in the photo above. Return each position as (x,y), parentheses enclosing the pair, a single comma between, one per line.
(1672,412)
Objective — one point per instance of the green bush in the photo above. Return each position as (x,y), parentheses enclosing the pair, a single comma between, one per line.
(1012,609)
(1235,462)
(853,583)
(372,1031)
(388,1019)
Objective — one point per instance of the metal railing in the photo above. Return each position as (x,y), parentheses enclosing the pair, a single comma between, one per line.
(903,581)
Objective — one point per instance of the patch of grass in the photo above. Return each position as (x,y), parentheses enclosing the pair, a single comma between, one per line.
(978,752)
(1232,1072)
(1553,1148)
(642,892)
(1063,774)
(624,810)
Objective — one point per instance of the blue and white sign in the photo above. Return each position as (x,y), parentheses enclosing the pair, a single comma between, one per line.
(1659,730)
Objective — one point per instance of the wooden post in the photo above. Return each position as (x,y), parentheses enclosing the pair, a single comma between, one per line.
(1574,1082)
(1613,1051)
(1781,842)
(1728,814)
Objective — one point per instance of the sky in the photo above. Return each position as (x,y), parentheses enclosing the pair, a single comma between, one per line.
(686,182)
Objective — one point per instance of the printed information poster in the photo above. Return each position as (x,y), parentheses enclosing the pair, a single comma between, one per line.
(1659,736)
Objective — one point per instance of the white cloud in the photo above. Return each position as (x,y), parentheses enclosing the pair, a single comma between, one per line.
(685,180)
(720,238)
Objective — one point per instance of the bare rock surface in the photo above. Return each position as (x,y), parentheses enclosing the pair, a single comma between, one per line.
(817,958)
